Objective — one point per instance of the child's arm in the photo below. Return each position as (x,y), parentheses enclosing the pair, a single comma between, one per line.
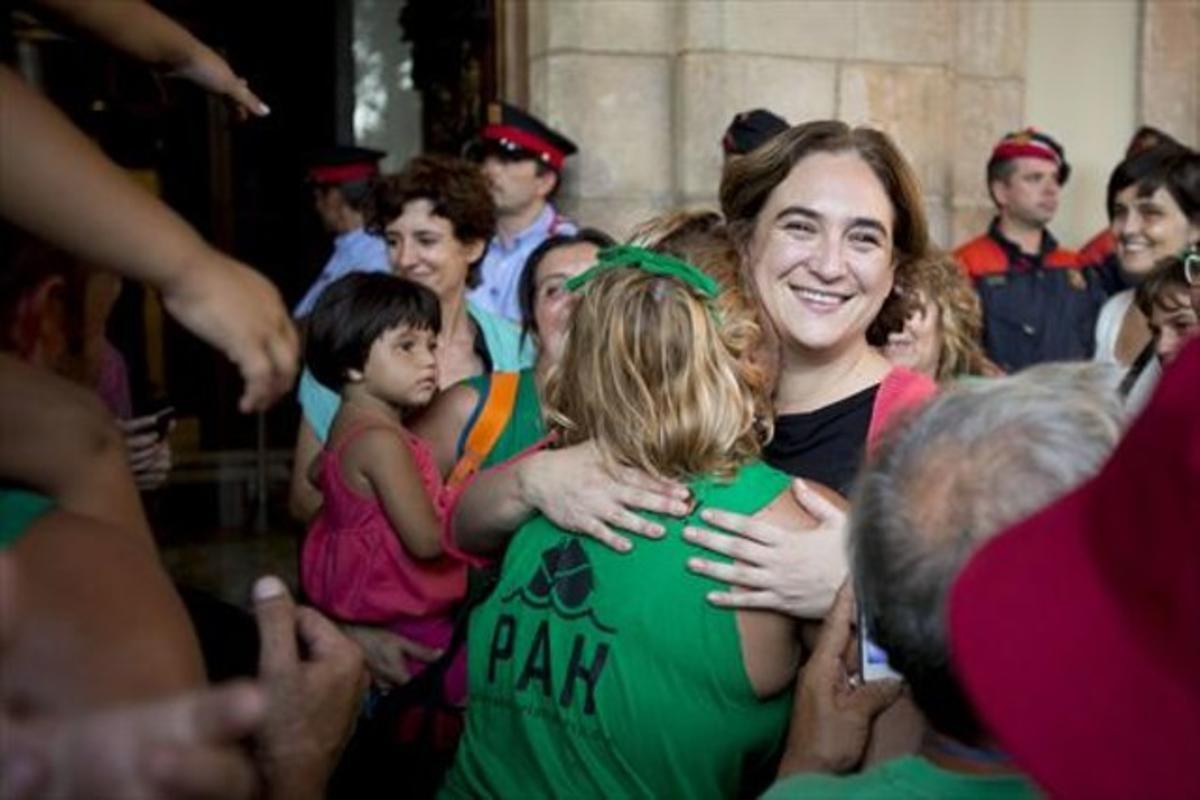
(384,458)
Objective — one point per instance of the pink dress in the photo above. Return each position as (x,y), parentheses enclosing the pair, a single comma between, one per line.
(354,567)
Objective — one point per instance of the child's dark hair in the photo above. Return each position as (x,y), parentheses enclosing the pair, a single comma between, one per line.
(353,312)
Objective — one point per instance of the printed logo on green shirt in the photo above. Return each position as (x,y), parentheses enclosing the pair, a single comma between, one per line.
(562,585)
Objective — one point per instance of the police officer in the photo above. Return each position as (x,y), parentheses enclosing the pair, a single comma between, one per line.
(1039,304)
(341,179)
(750,130)
(522,160)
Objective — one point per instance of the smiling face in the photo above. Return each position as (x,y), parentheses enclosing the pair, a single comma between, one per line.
(552,303)
(821,253)
(1148,229)
(423,248)
(401,367)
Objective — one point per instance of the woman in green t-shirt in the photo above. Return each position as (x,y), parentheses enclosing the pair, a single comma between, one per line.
(595,672)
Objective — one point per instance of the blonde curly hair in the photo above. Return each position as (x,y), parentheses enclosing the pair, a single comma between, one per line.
(649,374)
(938,278)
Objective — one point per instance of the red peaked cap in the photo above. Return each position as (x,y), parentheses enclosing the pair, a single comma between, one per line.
(1031,143)
(344,164)
(1076,633)
(519,132)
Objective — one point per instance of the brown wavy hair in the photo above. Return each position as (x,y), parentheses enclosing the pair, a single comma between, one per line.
(653,379)
(748,181)
(457,191)
(939,278)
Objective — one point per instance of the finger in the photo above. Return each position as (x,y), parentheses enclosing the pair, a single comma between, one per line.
(390,672)
(417,650)
(241,94)
(201,773)
(323,638)
(732,546)
(136,423)
(223,714)
(835,632)
(873,697)
(634,523)
(600,532)
(735,574)
(141,441)
(275,612)
(631,497)
(284,351)
(816,504)
(637,478)
(741,524)
(768,600)
(258,375)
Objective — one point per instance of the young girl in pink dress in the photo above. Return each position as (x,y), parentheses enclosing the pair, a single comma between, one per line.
(373,553)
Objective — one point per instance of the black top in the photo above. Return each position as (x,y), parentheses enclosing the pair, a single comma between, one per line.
(825,445)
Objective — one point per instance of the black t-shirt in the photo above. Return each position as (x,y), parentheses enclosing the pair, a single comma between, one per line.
(825,445)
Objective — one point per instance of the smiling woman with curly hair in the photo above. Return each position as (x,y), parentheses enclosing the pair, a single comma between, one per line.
(937,329)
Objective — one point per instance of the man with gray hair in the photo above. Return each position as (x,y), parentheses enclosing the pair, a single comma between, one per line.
(977,459)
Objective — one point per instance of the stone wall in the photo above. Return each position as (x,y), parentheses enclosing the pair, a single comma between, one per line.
(1169,79)
(646,87)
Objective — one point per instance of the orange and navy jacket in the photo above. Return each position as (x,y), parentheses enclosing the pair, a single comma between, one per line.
(1100,254)
(1039,307)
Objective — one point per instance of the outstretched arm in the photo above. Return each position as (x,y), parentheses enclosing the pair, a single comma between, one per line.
(58,185)
(141,31)
(57,439)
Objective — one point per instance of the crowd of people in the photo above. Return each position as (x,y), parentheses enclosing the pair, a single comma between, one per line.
(782,499)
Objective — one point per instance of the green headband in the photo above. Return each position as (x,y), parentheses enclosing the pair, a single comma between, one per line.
(627,255)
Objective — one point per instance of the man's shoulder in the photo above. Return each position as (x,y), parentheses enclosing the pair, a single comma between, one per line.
(982,255)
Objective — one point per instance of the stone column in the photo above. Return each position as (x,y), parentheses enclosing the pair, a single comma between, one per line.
(600,71)
(1169,80)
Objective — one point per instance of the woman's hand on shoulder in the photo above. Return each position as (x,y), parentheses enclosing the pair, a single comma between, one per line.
(783,567)
(580,490)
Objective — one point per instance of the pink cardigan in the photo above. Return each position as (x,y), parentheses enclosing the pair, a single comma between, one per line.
(901,390)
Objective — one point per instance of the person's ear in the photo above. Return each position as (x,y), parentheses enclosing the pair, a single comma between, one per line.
(39,328)
(475,250)
(547,180)
(354,375)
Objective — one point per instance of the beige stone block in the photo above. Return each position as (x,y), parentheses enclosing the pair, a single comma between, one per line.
(905,31)
(984,110)
(937,217)
(911,104)
(712,87)
(606,26)
(809,29)
(617,216)
(1170,69)
(618,110)
(991,38)
(969,221)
